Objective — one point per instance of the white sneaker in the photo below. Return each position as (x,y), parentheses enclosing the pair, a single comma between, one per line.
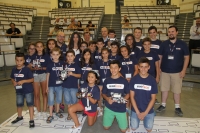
(100,111)
(35,110)
(44,114)
(38,115)
(74,128)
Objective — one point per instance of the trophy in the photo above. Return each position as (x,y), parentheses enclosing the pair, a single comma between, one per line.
(63,74)
(117,97)
(84,93)
(36,63)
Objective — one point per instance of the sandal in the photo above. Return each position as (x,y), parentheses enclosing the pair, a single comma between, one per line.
(49,119)
(59,115)
(69,117)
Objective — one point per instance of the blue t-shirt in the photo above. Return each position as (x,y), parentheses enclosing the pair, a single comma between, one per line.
(119,85)
(49,58)
(78,58)
(96,95)
(173,56)
(63,49)
(143,88)
(43,59)
(155,45)
(85,69)
(128,66)
(116,57)
(28,59)
(54,70)
(153,57)
(71,81)
(97,56)
(135,52)
(139,44)
(22,74)
(104,70)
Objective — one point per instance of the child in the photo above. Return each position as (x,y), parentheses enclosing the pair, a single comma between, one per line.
(129,66)
(70,84)
(54,83)
(87,64)
(100,44)
(31,52)
(153,57)
(51,43)
(114,55)
(138,34)
(117,85)
(92,47)
(83,46)
(88,104)
(22,79)
(143,90)
(104,72)
(40,61)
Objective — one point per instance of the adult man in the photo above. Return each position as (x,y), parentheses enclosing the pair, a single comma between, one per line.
(104,33)
(13,31)
(195,36)
(61,42)
(174,57)
(138,34)
(123,21)
(86,37)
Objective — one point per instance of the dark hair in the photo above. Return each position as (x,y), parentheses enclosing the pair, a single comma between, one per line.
(47,45)
(12,23)
(111,31)
(117,44)
(92,42)
(130,35)
(173,26)
(143,60)
(127,47)
(56,26)
(19,55)
(126,20)
(80,24)
(151,28)
(104,49)
(115,62)
(70,51)
(83,42)
(89,22)
(146,39)
(86,33)
(138,28)
(71,43)
(96,75)
(100,40)
(43,51)
(91,62)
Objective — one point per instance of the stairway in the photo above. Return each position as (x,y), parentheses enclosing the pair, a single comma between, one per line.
(112,21)
(40,29)
(184,22)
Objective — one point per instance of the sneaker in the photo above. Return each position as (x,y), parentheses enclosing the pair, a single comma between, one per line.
(74,128)
(31,124)
(35,110)
(44,114)
(17,119)
(38,115)
(100,111)
(160,109)
(156,102)
(178,111)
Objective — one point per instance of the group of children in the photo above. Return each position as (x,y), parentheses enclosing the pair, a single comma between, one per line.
(124,76)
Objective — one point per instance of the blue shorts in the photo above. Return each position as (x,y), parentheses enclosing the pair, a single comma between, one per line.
(20,99)
(70,95)
(58,94)
(148,121)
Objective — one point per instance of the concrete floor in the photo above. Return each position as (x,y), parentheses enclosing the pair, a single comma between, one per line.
(189,103)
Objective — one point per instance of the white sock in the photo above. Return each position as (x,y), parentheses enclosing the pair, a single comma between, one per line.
(177,105)
(164,104)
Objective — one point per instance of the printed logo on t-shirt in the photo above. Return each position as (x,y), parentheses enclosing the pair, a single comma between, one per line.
(42,60)
(57,68)
(142,87)
(140,47)
(97,57)
(86,68)
(132,53)
(28,60)
(149,58)
(178,48)
(19,75)
(155,46)
(127,63)
(104,67)
(115,86)
(70,69)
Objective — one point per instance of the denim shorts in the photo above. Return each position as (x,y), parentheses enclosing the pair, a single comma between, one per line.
(148,121)
(58,95)
(70,95)
(20,99)
(40,77)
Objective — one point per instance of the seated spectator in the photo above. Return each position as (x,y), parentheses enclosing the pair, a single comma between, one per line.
(79,26)
(90,24)
(13,31)
(87,29)
(55,30)
(86,37)
(125,18)
(72,26)
(126,25)
(57,21)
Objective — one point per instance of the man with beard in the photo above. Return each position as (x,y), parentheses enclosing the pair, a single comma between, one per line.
(195,36)
(174,58)
(61,43)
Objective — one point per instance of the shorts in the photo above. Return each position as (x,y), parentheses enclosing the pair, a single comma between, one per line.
(110,115)
(86,112)
(171,80)
(70,95)
(20,99)
(58,95)
(40,77)
(148,121)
